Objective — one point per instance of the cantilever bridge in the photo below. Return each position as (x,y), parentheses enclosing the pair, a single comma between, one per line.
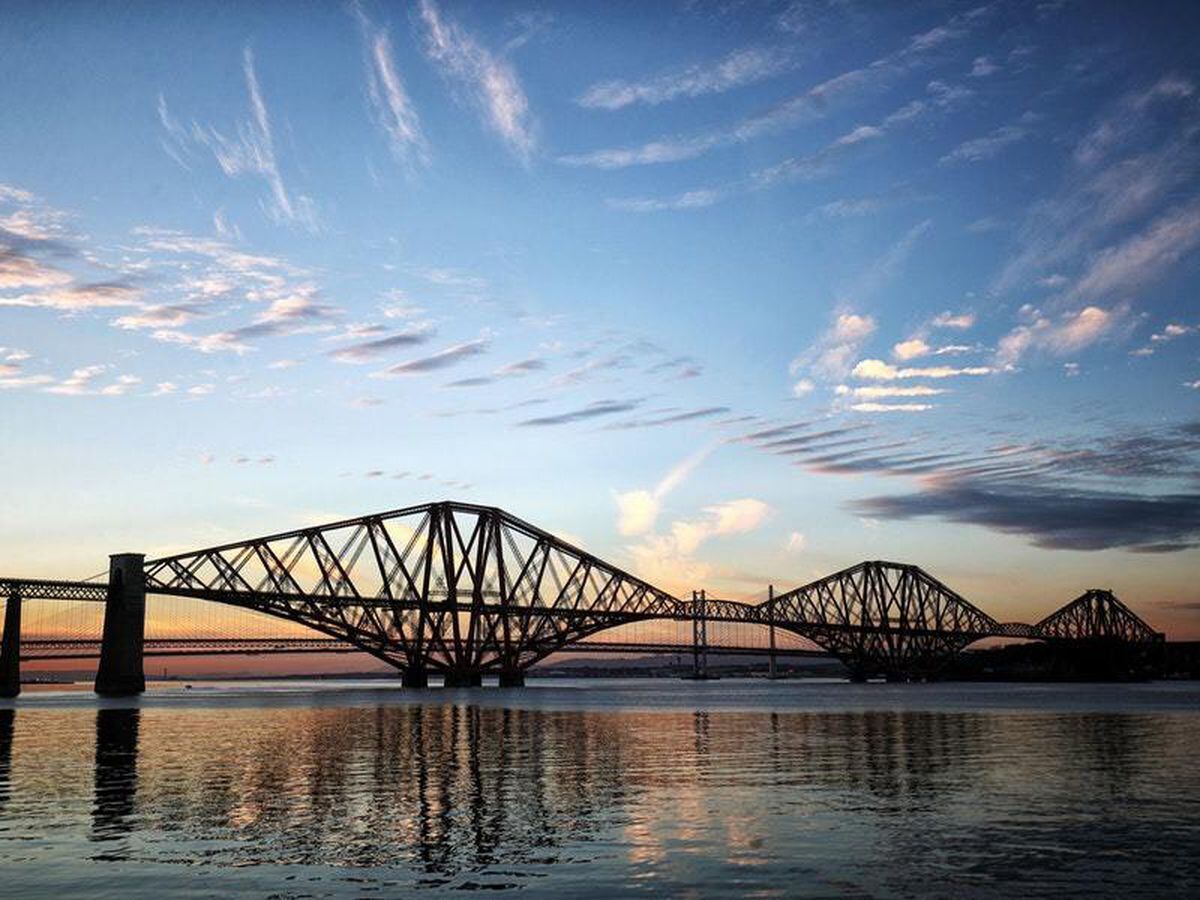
(463,591)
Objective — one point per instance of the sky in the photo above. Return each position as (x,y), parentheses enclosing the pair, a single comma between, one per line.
(730,294)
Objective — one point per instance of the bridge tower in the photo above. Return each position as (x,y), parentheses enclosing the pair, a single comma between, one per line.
(699,636)
(771,672)
(10,649)
(120,673)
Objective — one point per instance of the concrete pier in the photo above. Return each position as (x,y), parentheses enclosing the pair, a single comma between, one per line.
(512,678)
(120,673)
(463,679)
(415,678)
(10,648)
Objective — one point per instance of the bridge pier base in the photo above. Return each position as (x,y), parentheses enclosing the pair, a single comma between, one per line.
(463,679)
(510,678)
(120,673)
(415,678)
(10,649)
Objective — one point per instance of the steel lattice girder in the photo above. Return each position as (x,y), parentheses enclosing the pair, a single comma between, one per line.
(1097,614)
(47,589)
(463,587)
(447,585)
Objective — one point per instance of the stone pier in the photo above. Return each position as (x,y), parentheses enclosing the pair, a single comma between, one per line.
(10,649)
(120,673)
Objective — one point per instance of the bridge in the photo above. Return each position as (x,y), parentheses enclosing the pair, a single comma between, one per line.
(466,591)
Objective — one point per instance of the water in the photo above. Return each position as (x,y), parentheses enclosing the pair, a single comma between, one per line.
(604,789)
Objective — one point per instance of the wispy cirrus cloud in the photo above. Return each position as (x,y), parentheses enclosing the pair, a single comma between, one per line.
(737,69)
(369,351)
(814,102)
(251,152)
(391,107)
(1126,211)
(442,359)
(671,417)
(490,79)
(990,145)
(591,411)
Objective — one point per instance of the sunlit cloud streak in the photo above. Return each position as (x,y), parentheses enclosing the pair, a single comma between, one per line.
(443,359)
(489,78)
(741,67)
(591,411)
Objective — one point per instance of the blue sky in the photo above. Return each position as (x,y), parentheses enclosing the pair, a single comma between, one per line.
(728,293)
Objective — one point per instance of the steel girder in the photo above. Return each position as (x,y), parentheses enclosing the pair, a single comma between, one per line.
(1096,615)
(883,618)
(48,589)
(452,587)
(463,589)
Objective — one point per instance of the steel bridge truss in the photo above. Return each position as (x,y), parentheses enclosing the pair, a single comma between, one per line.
(452,588)
(463,590)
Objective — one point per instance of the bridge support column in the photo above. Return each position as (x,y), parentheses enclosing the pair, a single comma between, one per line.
(510,678)
(771,673)
(10,649)
(120,673)
(460,678)
(699,636)
(415,677)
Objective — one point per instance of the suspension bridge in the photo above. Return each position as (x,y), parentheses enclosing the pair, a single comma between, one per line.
(463,591)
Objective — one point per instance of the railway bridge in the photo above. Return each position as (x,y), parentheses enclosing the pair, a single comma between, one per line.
(464,591)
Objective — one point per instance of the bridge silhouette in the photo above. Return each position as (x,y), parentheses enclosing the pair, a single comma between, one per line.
(466,591)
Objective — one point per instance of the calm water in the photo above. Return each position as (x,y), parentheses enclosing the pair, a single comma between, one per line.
(644,788)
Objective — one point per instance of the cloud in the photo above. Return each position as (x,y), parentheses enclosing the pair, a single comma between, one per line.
(1122,123)
(1144,257)
(911,349)
(696,199)
(252,152)
(874,392)
(812,103)
(520,367)
(293,312)
(796,543)
(1069,333)
(367,351)
(960,321)
(986,147)
(668,559)
(1054,519)
(890,407)
(638,510)
(891,263)
(878,370)
(20,271)
(831,355)
(591,411)
(740,67)
(983,67)
(391,107)
(79,298)
(1111,216)
(443,359)
(673,418)
(491,79)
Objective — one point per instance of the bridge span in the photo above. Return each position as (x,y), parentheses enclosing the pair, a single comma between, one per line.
(463,591)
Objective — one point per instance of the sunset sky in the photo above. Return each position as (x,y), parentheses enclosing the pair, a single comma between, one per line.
(727,293)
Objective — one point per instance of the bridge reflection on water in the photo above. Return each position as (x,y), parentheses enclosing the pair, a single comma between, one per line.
(400,796)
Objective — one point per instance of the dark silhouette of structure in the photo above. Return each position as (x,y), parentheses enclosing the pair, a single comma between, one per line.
(463,591)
